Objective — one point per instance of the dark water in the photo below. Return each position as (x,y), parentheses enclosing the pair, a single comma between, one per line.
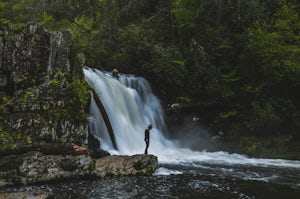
(188,181)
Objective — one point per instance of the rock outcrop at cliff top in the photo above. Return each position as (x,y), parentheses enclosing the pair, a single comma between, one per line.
(34,79)
(35,167)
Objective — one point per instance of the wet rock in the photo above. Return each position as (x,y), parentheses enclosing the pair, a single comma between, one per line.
(5,183)
(34,194)
(126,165)
(35,167)
(173,107)
(95,147)
(99,153)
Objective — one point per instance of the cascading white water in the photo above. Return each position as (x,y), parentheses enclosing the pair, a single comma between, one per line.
(131,107)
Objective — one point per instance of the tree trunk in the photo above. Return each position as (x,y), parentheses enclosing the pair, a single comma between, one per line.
(172,22)
(105,118)
(219,13)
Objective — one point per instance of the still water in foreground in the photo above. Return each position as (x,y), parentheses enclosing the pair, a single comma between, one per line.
(189,180)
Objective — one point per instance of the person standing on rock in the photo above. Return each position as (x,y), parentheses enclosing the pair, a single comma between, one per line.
(147,137)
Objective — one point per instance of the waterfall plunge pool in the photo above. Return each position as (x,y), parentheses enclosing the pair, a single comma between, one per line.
(188,180)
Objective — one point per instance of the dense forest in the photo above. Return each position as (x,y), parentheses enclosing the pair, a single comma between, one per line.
(236,61)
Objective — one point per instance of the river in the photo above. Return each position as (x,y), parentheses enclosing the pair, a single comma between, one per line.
(189,180)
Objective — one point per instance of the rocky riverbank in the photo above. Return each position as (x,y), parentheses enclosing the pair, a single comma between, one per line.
(34,167)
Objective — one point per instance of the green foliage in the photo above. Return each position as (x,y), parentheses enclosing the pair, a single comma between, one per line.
(264,119)
(275,48)
(28,140)
(78,99)
(230,77)
(3,20)
(186,12)
(92,165)
(135,44)
(46,19)
(235,53)
(228,82)
(271,147)
(6,101)
(6,140)
(11,140)
(163,68)
(202,75)
(57,78)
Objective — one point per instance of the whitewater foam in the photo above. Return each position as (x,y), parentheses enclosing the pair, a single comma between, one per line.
(165,171)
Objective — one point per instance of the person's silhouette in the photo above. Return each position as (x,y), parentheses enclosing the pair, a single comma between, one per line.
(147,137)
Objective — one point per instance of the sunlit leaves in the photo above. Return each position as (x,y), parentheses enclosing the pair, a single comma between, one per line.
(46,18)
(186,12)
(276,46)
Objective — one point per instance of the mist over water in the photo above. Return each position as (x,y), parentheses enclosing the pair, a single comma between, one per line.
(131,107)
(190,133)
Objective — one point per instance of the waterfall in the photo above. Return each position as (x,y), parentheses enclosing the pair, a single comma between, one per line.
(131,107)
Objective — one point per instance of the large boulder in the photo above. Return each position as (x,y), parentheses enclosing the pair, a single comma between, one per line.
(126,165)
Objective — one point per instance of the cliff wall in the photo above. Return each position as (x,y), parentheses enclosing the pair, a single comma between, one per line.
(38,96)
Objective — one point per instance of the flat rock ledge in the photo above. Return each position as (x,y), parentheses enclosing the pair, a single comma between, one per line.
(35,167)
(126,165)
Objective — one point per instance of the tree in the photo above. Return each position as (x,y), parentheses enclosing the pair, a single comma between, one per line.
(271,71)
(275,50)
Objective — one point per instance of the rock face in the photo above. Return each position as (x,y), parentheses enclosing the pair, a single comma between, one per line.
(126,165)
(34,167)
(34,86)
